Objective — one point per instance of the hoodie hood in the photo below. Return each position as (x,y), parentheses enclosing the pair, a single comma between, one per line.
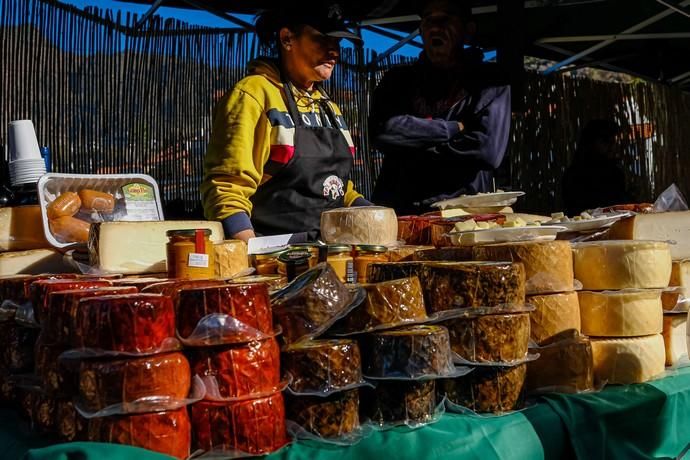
(266,67)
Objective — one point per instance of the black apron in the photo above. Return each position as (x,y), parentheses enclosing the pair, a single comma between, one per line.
(314,180)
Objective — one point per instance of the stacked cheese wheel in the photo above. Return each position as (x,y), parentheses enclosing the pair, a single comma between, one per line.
(620,306)
(238,360)
(675,302)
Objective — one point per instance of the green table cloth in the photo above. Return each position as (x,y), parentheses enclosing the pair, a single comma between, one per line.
(649,420)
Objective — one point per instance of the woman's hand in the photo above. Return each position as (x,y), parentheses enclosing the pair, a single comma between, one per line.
(244,235)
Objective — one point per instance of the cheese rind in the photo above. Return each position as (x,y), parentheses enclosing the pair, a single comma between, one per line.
(548,264)
(605,265)
(554,313)
(231,258)
(563,366)
(680,273)
(628,360)
(138,247)
(360,225)
(675,338)
(21,229)
(629,313)
(664,226)
(33,262)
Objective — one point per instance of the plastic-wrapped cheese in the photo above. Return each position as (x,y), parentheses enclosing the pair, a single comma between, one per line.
(565,364)
(21,229)
(628,360)
(328,417)
(165,432)
(395,402)
(172,287)
(373,225)
(629,313)
(40,291)
(231,258)
(455,254)
(249,304)
(487,388)
(603,265)
(405,253)
(554,313)
(378,272)
(70,425)
(32,262)
(121,382)
(253,426)
(238,371)
(548,264)
(415,229)
(323,366)
(130,323)
(680,273)
(675,337)
(661,226)
(17,347)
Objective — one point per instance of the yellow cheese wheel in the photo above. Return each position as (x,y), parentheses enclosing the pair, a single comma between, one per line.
(675,338)
(360,225)
(628,360)
(553,314)
(628,313)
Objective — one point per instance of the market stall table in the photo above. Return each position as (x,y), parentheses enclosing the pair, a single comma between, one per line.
(625,422)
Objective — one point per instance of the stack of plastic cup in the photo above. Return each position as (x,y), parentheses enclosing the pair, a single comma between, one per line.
(25,162)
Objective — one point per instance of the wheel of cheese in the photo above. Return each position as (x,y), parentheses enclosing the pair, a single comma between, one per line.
(374,225)
(487,389)
(378,272)
(389,303)
(548,264)
(554,313)
(104,383)
(629,313)
(492,337)
(17,347)
(605,265)
(247,303)
(165,432)
(628,360)
(12,288)
(450,285)
(172,287)
(453,254)
(657,226)
(130,323)
(231,258)
(405,253)
(565,365)
(675,338)
(410,352)
(40,291)
(415,229)
(238,371)
(255,426)
(323,366)
(395,402)
(62,308)
(327,417)
(675,298)
(70,425)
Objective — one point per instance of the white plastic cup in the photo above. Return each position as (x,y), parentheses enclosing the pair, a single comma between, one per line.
(22,141)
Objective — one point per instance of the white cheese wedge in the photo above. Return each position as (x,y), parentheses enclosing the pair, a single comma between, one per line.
(604,265)
(553,314)
(665,226)
(374,225)
(675,338)
(33,262)
(628,313)
(628,360)
(138,247)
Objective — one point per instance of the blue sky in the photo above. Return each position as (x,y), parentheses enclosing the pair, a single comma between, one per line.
(371,40)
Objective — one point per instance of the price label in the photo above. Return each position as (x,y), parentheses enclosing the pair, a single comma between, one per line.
(197,260)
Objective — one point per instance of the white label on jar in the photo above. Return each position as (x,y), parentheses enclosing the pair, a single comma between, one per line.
(197,260)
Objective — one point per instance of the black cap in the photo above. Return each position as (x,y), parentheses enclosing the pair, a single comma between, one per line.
(325,17)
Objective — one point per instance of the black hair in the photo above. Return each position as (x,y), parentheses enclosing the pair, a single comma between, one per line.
(460,8)
(596,130)
(268,25)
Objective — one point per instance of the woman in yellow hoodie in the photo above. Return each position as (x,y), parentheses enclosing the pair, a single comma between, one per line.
(280,151)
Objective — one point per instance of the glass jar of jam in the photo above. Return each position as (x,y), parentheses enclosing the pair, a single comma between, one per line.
(340,258)
(314,249)
(190,254)
(266,264)
(294,262)
(365,255)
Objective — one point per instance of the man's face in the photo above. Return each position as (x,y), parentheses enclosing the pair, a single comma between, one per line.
(442,34)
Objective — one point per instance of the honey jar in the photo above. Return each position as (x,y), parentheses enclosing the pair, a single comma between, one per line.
(266,264)
(340,258)
(365,255)
(190,254)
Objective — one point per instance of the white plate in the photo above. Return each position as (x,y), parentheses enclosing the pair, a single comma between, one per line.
(480,200)
(590,224)
(504,235)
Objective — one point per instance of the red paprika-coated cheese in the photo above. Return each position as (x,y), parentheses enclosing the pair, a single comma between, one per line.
(41,290)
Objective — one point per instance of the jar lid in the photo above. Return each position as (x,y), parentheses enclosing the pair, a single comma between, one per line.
(371,248)
(336,248)
(269,255)
(295,256)
(190,232)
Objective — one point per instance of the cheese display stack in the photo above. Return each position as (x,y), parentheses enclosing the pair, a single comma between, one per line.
(620,306)
(675,302)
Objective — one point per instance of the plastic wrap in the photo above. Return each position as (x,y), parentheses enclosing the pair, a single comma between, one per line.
(388,304)
(165,432)
(565,365)
(671,199)
(139,283)
(603,265)
(70,425)
(323,366)
(160,380)
(450,285)
(415,229)
(490,337)
(131,323)
(40,291)
(248,304)
(554,313)
(311,303)
(412,352)
(335,416)
(400,403)
(624,313)
(12,289)
(59,378)
(454,254)
(17,347)
(676,299)
(405,253)
(172,287)
(255,426)
(487,389)
(359,225)
(378,272)
(238,371)
(548,264)
(273,282)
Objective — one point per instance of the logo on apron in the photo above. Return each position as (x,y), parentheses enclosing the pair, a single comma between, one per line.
(333,187)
